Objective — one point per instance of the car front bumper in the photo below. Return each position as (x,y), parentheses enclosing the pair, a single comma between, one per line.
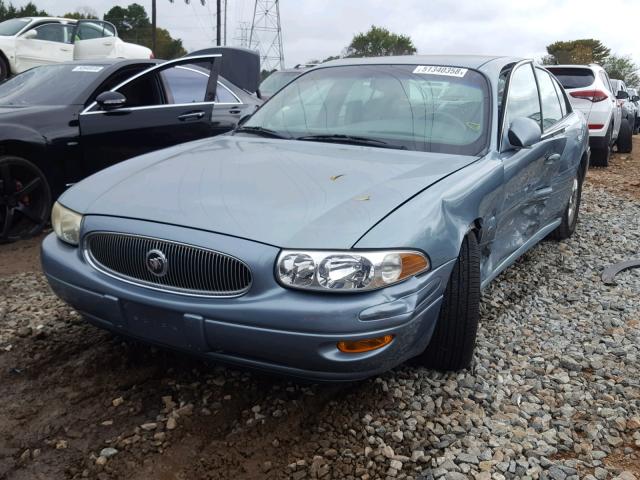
(269,328)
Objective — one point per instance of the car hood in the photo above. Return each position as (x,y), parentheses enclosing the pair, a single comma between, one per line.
(280,192)
(30,115)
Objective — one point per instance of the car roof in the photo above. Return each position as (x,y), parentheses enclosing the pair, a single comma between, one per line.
(592,65)
(55,19)
(464,61)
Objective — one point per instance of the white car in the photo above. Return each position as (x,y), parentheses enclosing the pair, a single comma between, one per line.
(590,91)
(31,42)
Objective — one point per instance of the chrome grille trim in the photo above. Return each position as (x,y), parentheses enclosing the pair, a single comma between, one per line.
(193,271)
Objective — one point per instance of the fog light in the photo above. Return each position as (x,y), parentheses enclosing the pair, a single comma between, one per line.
(366,345)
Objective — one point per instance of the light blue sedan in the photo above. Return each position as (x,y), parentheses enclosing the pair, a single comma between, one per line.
(347,226)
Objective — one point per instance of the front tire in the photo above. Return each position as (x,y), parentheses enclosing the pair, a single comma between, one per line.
(572,210)
(4,69)
(25,199)
(625,143)
(454,338)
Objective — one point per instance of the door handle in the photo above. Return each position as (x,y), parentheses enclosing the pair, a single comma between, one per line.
(553,158)
(542,193)
(191,116)
(108,44)
(234,111)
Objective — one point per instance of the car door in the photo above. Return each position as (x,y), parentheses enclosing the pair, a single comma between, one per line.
(154,115)
(228,109)
(558,168)
(47,43)
(617,107)
(518,217)
(94,39)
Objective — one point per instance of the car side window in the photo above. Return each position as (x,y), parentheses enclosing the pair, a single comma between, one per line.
(224,95)
(53,32)
(523,98)
(564,102)
(551,108)
(93,30)
(185,83)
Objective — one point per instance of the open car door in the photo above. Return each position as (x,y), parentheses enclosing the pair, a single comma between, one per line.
(94,39)
(165,105)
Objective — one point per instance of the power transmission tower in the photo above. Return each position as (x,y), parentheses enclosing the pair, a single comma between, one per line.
(266,34)
(242,39)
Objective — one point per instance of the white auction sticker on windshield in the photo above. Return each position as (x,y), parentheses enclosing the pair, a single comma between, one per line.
(438,70)
(87,68)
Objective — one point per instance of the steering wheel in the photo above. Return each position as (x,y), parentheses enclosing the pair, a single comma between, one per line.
(451,119)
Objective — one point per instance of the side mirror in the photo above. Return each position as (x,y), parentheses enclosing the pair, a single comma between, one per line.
(524,132)
(622,95)
(635,98)
(111,100)
(30,34)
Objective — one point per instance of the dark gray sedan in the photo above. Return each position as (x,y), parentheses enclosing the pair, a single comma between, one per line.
(349,225)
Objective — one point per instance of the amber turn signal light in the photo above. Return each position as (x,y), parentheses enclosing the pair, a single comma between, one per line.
(366,345)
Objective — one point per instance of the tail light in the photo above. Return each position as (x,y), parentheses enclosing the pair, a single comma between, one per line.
(596,126)
(591,95)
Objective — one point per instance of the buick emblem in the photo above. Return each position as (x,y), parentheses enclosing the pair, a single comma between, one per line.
(157,263)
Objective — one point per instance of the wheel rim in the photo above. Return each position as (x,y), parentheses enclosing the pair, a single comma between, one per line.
(573,201)
(23,200)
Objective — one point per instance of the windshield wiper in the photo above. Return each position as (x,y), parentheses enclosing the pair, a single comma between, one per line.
(351,140)
(263,132)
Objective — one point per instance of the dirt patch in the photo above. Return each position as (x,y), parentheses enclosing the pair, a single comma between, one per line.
(622,176)
(21,256)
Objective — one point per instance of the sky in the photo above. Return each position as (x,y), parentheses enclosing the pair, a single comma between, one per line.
(316,29)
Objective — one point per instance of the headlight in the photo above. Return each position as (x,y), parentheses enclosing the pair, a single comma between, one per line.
(348,270)
(66,224)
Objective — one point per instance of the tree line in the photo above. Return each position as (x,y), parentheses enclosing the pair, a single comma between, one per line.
(132,22)
(379,41)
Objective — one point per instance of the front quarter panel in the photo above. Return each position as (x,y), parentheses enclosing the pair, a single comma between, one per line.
(436,220)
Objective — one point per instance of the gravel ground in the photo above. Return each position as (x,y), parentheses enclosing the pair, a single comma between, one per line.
(554,391)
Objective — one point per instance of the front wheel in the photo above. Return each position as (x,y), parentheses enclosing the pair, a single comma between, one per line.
(25,199)
(454,338)
(4,69)
(572,210)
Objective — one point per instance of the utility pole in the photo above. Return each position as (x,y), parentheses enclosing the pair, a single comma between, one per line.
(225,22)
(218,23)
(153,27)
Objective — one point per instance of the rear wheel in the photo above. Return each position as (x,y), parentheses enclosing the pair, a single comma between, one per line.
(600,155)
(25,199)
(624,143)
(454,338)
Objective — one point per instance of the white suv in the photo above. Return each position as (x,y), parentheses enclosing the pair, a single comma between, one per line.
(590,91)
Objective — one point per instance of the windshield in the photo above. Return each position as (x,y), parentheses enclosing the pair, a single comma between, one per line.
(424,108)
(276,81)
(48,85)
(9,28)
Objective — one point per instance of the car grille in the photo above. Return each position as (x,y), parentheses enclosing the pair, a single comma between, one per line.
(188,270)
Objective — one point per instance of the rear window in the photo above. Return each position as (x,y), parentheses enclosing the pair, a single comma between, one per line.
(573,77)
